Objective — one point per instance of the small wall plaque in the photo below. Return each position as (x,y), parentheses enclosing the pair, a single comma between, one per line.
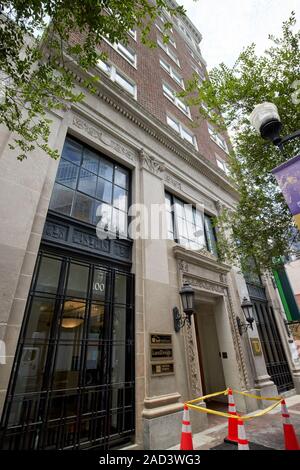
(161,354)
(163,369)
(256,346)
(160,339)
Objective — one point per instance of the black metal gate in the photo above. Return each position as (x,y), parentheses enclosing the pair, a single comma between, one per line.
(72,385)
(275,357)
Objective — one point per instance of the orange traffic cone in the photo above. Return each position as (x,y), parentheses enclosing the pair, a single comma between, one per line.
(232,422)
(290,438)
(243,443)
(186,435)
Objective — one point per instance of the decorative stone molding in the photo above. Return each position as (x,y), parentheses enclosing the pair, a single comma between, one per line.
(192,360)
(239,354)
(201,258)
(172,182)
(206,285)
(107,140)
(151,164)
(183,266)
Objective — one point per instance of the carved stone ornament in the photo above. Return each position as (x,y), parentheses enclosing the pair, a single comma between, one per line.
(98,134)
(151,163)
(193,364)
(172,182)
(183,266)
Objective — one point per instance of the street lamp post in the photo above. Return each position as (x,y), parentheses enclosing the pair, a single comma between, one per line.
(266,120)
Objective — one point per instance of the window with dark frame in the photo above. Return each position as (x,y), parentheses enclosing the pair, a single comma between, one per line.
(188,226)
(91,188)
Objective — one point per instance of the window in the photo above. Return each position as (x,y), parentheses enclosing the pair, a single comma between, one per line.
(164,20)
(171,95)
(188,226)
(118,77)
(183,131)
(222,164)
(194,55)
(91,188)
(170,70)
(168,51)
(217,138)
(166,32)
(132,33)
(198,71)
(125,51)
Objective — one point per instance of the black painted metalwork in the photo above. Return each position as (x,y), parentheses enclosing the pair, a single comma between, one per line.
(275,357)
(72,385)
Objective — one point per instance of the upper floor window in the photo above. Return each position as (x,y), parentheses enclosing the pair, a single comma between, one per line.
(198,71)
(189,226)
(168,51)
(132,33)
(164,20)
(217,138)
(194,55)
(182,130)
(91,188)
(171,39)
(222,164)
(171,95)
(172,72)
(119,77)
(125,51)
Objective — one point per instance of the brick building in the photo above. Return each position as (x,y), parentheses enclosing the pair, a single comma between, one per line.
(93,357)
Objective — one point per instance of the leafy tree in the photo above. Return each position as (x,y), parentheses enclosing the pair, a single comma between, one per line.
(261,226)
(39,40)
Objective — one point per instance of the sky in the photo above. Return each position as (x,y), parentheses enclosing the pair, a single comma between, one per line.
(227,26)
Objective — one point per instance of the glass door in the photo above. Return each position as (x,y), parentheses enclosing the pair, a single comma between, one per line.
(73,385)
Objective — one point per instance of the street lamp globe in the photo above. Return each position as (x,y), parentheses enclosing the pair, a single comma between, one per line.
(247,308)
(187,295)
(266,120)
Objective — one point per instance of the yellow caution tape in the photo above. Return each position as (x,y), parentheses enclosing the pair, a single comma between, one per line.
(192,404)
(256,396)
(225,392)
(227,415)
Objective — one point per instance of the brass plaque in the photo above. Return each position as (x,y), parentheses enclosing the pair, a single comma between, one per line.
(161,353)
(256,346)
(163,369)
(160,339)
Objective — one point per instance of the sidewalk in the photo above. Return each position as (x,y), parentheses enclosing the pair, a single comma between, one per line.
(266,430)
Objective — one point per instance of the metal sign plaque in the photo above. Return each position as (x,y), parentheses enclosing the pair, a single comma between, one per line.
(160,339)
(256,346)
(161,353)
(163,368)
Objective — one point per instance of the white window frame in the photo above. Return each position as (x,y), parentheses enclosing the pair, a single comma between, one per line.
(181,129)
(113,72)
(170,93)
(117,46)
(167,50)
(164,20)
(198,71)
(217,138)
(170,71)
(171,40)
(132,33)
(222,164)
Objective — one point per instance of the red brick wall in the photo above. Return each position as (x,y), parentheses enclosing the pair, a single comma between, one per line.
(148,77)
